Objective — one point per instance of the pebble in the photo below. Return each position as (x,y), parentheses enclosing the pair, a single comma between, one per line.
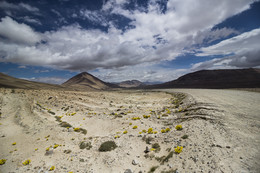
(135,162)
(70,129)
(128,171)
(50,151)
(146,150)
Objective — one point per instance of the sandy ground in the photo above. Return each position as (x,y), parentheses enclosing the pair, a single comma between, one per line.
(222,128)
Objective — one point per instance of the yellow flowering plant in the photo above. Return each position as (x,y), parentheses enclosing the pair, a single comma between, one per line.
(178,149)
(27,162)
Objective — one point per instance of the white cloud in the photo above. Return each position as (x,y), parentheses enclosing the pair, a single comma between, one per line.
(22,66)
(21,6)
(146,73)
(31,20)
(94,16)
(244,50)
(155,36)
(50,80)
(245,42)
(28,7)
(241,60)
(42,71)
(17,33)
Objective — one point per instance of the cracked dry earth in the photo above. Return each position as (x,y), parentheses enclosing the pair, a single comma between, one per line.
(220,131)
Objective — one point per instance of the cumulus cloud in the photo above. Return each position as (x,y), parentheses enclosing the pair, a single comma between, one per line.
(244,42)
(145,73)
(155,35)
(15,32)
(244,50)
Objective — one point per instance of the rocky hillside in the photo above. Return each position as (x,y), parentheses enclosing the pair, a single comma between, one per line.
(11,82)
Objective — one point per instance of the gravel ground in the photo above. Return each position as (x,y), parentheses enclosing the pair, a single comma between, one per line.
(220,131)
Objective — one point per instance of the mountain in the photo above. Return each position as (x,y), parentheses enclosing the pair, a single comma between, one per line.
(228,78)
(85,80)
(130,84)
(11,82)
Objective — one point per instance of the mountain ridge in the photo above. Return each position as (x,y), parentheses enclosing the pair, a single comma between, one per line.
(7,81)
(130,84)
(215,79)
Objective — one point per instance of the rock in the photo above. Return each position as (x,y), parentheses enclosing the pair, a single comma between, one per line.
(128,171)
(70,129)
(135,162)
(50,151)
(170,165)
(219,146)
(146,150)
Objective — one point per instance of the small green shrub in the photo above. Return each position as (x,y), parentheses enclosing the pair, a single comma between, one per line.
(107,146)
(65,124)
(170,171)
(49,111)
(156,145)
(84,131)
(58,118)
(135,127)
(164,158)
(84,145)
(148,139)
(153,169)
(184,136)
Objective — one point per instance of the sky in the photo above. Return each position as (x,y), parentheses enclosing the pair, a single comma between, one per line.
(117,40)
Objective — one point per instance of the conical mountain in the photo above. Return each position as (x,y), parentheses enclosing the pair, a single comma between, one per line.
(87,81)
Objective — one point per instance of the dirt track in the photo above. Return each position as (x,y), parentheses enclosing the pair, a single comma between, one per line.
(241,122)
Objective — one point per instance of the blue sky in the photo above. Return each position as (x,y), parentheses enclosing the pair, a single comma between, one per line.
(117,40)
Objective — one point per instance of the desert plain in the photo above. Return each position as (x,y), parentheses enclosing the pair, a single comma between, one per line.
(62,131)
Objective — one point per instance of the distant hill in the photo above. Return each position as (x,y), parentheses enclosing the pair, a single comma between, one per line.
(11,82)
(130,84)
(228,78)
(85,80)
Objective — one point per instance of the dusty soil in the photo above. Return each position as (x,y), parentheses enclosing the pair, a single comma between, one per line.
(222,128)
